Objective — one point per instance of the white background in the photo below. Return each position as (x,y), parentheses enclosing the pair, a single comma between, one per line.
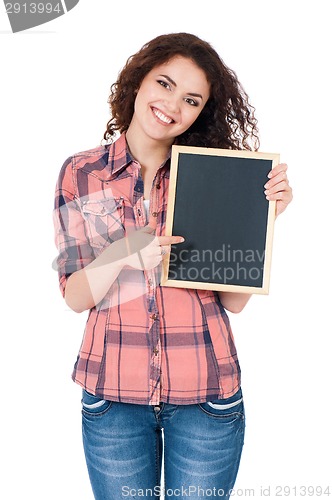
(54,89)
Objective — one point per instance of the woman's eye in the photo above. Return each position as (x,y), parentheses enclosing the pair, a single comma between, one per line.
(163,84)
(191,101)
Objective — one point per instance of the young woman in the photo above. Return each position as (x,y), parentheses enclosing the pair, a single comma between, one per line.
(157,365)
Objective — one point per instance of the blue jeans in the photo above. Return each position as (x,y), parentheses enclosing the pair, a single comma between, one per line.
(124,445)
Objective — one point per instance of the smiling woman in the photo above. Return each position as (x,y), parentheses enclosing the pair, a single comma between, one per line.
(154,358)
(233,125)
(169,100)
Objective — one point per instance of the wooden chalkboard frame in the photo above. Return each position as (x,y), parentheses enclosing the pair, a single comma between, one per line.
(269,228)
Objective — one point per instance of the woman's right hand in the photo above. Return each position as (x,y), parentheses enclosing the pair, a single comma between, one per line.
(145,250)
(141,250)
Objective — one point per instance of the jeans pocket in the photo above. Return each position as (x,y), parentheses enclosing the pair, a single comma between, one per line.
(229,409)
(94,405)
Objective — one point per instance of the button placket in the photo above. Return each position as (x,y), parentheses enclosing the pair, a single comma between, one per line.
(156,347)
(155,361)
(154,196)
(139,211)
(155,357)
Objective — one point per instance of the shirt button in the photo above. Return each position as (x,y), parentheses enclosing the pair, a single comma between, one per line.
(150,281)
(158,186)
(154,316)
(155,351)
(139,212)
(154,214)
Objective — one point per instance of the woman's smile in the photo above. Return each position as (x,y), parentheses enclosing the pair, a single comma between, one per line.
(161,117)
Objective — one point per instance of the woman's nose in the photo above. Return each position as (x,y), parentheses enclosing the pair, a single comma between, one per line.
(173,104)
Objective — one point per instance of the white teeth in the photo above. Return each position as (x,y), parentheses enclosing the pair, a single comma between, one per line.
(162,117)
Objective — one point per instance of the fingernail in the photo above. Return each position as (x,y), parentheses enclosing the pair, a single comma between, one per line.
(269,175)
(181,240)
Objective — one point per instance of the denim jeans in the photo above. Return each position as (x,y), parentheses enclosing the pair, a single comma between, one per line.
(125,444)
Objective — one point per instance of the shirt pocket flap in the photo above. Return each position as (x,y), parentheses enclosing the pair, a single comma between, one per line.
(102,207)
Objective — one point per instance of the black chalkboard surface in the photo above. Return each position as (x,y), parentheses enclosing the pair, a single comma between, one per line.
(217,203)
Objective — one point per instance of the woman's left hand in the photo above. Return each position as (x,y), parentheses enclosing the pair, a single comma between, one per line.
(278,188)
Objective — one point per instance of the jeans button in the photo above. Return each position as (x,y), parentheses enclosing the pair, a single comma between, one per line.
(156,408)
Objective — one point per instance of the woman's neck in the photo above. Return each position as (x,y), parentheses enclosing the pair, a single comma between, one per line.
(148,152)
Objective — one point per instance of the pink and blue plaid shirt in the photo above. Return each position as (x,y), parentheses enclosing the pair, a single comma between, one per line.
(143,343)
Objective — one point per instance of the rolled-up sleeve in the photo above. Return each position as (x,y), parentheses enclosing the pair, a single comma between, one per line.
(74,250)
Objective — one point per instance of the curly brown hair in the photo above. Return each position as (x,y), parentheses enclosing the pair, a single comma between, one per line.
(227,119)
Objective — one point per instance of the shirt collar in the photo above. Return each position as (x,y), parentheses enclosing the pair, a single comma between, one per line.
(119,155)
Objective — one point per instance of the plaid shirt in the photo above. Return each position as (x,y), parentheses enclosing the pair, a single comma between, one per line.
(143,343)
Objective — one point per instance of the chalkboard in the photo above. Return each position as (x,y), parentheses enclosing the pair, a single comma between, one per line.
(216,201)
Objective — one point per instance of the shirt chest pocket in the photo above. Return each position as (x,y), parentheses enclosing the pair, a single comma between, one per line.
(104,220)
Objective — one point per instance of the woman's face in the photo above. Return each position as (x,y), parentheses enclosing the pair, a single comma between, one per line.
(169,100)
